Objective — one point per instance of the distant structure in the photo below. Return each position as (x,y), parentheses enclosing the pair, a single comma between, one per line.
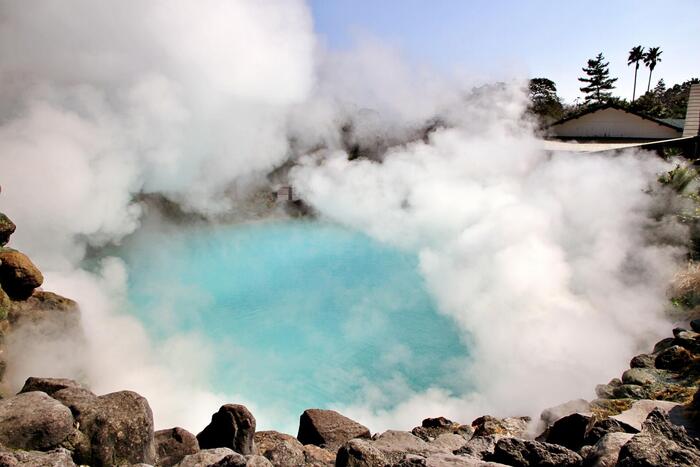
(284,194)
(692,115)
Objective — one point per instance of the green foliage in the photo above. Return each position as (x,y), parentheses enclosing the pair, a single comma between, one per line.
(636,55)
(651,58)
(679,179)
(665,102)
(544,101)
(599,82)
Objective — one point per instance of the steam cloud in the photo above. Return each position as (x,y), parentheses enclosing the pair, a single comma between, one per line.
(545,262)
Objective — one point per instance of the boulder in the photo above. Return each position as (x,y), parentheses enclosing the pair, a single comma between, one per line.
(359,453)
(674,358)
(77,399)
(173,444)
(635,416)
(644,360)
(525,453)
(7,228)
(281,449)
(239,460)
(605,452)
(119,426)
(233,427)
(689,340)
(444,460)
(639,376)
(395,444)
(34,421)
(18,275)
(207,457)
(479,447)
(663,344)
(488,425)
(599,428)
(660,443)
(695,325)
(318,457)
(448,442)
(431,428)
(48,385)
(630,391)
(56,458)
(569,431)
(328,429)
(552,414)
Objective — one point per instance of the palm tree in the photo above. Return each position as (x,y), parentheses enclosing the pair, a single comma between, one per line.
(636,55)
(651,58)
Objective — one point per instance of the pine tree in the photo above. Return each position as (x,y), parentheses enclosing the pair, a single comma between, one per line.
(599,82)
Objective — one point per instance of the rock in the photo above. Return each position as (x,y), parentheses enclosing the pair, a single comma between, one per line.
(569,431)
(524,453)
(7,228)
(432,428)
(599,428)
(644,360)
(443,460)
(479,447)
(488,425)
(233,427)
(48,385)
(395,444)
(634,417)
(205,457)
(448,442)
(639,376)
(34,421)
(689,340)
(673,358)
(604,453)
(663,344)
(173,445)
(5,305)
(18,275)
(55,458)
(78,400)
(281,449)
(552,414)
(257,461)
(660,443)
(42,306)
(695,325)
(328,429)
(359,453)
(120,429)
(630,391)
(239,460)
(318,457)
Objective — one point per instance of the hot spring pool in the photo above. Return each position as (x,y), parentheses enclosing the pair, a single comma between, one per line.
(300,314)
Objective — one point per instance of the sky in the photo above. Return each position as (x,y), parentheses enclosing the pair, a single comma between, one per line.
(499,39)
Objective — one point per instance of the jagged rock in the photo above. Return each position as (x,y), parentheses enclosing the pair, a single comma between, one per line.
(56,458)
(48,385)
(599,428)
(631,391)
(77,399)
(604,453)
(448,442)
(673,358)
(328,429)
(359,453)
(663,344)
(120,428)
(635,416)
(479,447)
(569,431)
(7,228)
(524,453)
(281,449)
(233,427)
(443,460)
(173,445)
(695,325)
(395,444)
(18,275)
(689,340)
(318,457)
(42,306)
(239,460)
(33,420)
(660,443)
(552,414)
(488,425)
(639,376)
(644,360)
(432,428)
(206,457)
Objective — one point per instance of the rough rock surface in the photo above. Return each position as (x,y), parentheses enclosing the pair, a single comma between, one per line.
(205,457)
(173,445)
(328,429)
(233,427)
(359,453)
(7,228)
(318,457)
(281,449)
(444,460)
(78,400)
(636,415)
(432,428)
(33,420)
(673,358)
(605,452)
(552,414)
(48,385)
(525,453)
(56,458)
(395,444)
(18,275)
(660,443)
(512,426)
(569,431)
(479,446)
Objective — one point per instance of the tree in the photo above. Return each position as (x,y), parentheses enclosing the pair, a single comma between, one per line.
(544,101)
(663,102)
(651,58)
(599,82)
(636,55)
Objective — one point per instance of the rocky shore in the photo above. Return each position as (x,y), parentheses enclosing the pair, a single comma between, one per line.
(650,416)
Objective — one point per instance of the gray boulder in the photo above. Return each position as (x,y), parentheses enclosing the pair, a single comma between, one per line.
(56,458)
(552,414)
(605,452)
(359,453)
(479,447)
(34,421)
(395,444)
(7,228)
(48,385)
(78,400)
(233,427)
(512,426)
(644,360)
(206,457)
(639,376)
(281,449)
(173,445)
(525,453)
(318,457)
(328,429)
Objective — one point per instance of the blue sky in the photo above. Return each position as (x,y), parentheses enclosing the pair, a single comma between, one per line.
(503,38)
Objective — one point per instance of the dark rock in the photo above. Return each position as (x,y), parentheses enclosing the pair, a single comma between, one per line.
(5,305)
(77,399)
(488,425)
(318,457)
(644,360)
(673,358)
(695,325)
(431,428)
(233,427)
(478,447)
(328,429)
(524,453)
(689,340)
(605,452)
(631,391)
(33,420)
(120,429)
(552,414)
(206,457)
(281,449)
(359,453)
(599,428)
(18,275)
(7,228)
(663,344)
(443,460)
(569,431)
(55,458)
(660,443)
(48,385)
(639,376)
(173,445)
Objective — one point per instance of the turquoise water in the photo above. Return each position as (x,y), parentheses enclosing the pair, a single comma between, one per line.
(300,314)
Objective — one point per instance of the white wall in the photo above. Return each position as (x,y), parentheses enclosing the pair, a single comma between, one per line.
(613,123)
